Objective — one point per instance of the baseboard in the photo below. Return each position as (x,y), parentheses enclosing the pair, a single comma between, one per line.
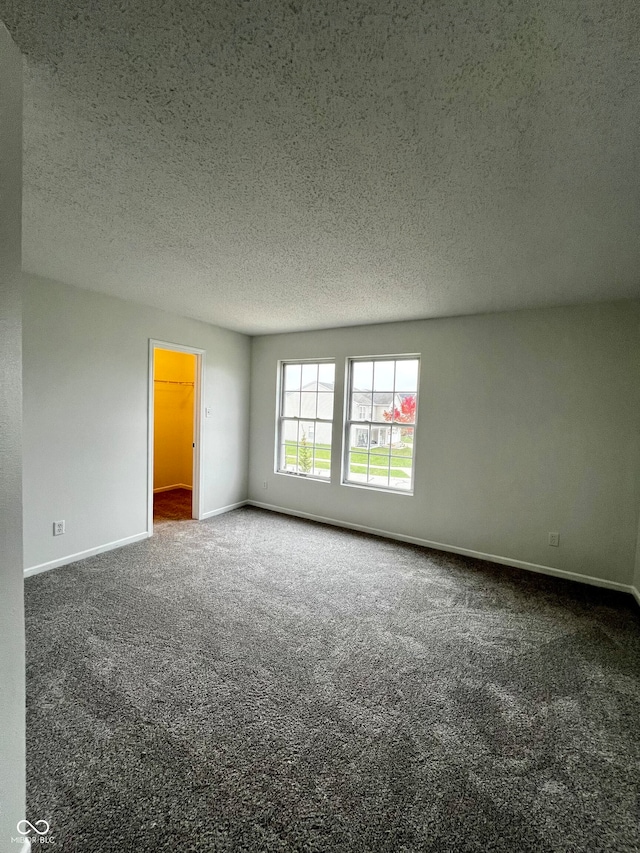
(466,552)
(635,593)
(82,555)
(223,509)
(175,486)
(110,546)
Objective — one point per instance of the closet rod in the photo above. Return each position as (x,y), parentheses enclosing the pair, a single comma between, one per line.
(173,382)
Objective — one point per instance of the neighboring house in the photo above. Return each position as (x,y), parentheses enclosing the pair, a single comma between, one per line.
(367,406)
(324,392)
(315,401)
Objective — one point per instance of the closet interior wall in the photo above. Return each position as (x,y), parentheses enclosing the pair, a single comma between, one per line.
(174,388)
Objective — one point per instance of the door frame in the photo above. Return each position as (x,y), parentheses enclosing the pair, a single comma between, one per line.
(198,435)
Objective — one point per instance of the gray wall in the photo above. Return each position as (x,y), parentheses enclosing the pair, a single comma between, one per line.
(529,423)
(12,724)
(636,577)
(85,416)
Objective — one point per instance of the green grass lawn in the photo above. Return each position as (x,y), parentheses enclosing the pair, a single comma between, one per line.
(378,472)
(322,457)
(379,460)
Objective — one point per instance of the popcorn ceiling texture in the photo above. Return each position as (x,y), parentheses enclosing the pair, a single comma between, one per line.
(271,166)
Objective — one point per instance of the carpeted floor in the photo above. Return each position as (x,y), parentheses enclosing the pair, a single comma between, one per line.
(174,505)
(256,682)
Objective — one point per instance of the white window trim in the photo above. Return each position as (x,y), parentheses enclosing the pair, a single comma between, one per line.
(280,418)
(349,422)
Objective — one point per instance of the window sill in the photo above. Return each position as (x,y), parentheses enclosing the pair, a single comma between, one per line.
(326,480)
(406,492)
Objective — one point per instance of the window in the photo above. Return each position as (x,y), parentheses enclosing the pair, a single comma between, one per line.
(305,418)
(380,422)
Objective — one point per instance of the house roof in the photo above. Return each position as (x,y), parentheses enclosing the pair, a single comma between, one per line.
(379,398)
(318,386)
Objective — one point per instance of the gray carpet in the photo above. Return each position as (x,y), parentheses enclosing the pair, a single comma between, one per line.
(261,683)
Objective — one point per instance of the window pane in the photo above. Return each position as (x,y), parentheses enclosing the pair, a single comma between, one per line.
(325,405)
(282,465)
(382,407)
(290,431)
(289,455)
(378,460)
(357,467)
(291,404)
(385,438)
(407,376)
(360,436)
(292,374)
(323,435)
(395,436)
(400,484)
(401,467)
(361,407)
(308,404)
(379,435)
(383,375)
(322,450)
(305,447)
(378,477)
(306,427)
(309,376)
(407,436)
(327,374)
(405,408)
(362,377)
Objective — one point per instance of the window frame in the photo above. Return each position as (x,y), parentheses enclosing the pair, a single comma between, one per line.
(281,418)
(350,422)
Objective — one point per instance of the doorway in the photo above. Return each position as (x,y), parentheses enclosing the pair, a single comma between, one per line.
(175,388)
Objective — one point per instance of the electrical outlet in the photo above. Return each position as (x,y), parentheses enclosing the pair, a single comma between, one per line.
(208,412)
(554,539)
(58,528)
(265,485)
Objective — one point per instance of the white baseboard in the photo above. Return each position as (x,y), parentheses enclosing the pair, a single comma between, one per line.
(635,593)
(223,509)
(81,555)
(91,552)
(467,552)
(175,486)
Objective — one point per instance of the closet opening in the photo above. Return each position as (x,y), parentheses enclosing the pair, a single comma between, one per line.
(175,387)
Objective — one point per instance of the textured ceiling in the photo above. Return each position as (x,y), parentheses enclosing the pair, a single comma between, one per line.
(270,166)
